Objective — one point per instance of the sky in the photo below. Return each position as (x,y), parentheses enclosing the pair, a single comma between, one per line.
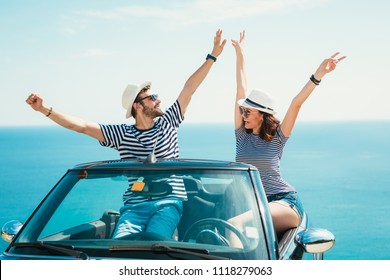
(80,56)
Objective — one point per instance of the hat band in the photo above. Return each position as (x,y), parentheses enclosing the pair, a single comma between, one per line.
(257,104)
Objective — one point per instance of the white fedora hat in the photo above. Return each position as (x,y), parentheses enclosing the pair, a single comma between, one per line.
(130,94)
(258,100)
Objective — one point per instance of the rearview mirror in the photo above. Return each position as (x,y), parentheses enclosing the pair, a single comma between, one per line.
(153,189)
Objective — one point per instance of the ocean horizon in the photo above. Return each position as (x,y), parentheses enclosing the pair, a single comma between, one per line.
(341,170)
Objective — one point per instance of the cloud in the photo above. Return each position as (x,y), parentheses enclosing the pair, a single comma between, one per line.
(69,30)
(186,13)
(95,53)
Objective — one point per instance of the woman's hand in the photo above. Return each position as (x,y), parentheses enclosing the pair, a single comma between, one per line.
(239,44)
(327,66)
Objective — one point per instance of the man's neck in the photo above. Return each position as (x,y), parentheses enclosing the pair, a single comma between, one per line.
(144,123)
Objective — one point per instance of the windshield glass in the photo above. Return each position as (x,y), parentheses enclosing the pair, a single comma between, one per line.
(111,214)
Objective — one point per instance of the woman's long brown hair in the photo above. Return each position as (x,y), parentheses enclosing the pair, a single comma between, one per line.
(268,127)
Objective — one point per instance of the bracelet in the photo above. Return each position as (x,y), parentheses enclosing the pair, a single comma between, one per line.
(211,57)
(314,80)
(50,110)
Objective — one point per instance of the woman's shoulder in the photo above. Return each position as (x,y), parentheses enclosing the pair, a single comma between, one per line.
(280,135)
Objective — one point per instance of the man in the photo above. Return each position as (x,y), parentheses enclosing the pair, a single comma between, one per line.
(153,130)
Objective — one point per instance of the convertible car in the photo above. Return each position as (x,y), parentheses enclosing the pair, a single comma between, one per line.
(77,218)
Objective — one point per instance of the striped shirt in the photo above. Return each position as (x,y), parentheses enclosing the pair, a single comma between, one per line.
(133,143)
(264,155)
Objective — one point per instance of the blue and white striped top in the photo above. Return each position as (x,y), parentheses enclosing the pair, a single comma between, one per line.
(264,155)
(133,143)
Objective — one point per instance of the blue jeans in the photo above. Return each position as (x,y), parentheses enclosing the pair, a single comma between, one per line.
(290,198)
(159,216)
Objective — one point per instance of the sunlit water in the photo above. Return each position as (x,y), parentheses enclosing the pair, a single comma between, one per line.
(341,170)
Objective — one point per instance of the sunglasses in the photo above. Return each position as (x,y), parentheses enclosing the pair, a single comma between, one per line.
(245,112)
(152,97)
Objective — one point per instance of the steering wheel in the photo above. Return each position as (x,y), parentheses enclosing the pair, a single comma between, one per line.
(210,223)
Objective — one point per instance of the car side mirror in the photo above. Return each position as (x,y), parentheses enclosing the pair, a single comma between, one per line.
(10,229)
(315,241)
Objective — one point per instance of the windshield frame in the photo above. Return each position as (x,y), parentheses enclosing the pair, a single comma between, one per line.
(44,212)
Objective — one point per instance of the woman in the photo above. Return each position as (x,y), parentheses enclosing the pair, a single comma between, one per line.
(260,138)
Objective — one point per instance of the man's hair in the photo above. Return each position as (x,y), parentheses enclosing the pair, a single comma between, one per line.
(136,100)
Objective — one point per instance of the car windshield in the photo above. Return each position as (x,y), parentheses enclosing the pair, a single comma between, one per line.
(220,215)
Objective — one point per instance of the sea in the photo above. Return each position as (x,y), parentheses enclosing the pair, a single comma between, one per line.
(340,169)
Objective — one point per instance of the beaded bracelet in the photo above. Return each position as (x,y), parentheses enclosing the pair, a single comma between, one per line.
(50,110)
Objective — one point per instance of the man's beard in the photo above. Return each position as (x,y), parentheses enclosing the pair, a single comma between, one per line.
(153,113)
